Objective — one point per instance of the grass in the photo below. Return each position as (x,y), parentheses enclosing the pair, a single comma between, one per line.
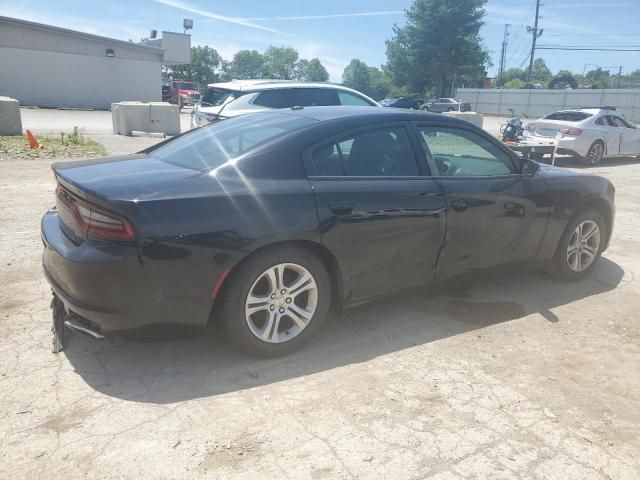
(74,144)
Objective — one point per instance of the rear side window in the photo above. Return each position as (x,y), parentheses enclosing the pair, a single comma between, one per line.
(212,146)
(569,116)
(217,96)
(315,97)
(384,152)
(347,98)
(281,98)
(600,121)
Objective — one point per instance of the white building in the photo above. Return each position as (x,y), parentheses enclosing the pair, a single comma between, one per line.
(48,66)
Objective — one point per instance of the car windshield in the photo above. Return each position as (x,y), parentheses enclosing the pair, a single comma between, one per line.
(186,86)
(214,145)
(568,116)
(215,97)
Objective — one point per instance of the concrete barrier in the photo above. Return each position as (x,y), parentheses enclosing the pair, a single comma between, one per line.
(10,121)
(153,117)
(476,118)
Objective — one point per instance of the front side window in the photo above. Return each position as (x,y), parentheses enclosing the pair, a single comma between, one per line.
(621,122)
(462,153)
(384,152)
(347,98)
(214,145)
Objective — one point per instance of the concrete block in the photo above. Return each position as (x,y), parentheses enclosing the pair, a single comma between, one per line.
(153,117)
(164,118)
(476,118)
(10,121)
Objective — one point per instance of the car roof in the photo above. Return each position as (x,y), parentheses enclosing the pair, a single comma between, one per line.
(377,114)
(268,84)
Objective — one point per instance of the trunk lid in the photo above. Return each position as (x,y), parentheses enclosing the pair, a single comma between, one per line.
(122,178)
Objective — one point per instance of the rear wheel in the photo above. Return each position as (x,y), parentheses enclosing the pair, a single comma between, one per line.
(276,301)
(594,154)
(580,246)
(450,109)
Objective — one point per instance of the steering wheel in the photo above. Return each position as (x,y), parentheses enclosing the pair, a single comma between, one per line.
(446,168)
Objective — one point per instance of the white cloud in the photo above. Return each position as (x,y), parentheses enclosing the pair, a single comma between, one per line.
(216,16)
(384,13)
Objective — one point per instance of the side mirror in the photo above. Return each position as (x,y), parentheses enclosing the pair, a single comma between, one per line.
(528,167)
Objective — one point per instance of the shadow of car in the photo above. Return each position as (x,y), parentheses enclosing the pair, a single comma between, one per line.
(175,366)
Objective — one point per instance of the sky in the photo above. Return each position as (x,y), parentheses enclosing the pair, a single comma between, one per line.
(337,31)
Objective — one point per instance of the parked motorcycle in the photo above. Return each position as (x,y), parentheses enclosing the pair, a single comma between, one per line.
(513,129)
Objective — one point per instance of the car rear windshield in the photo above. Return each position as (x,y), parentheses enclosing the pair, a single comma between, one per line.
(214,145)
(569,116)
(215,97)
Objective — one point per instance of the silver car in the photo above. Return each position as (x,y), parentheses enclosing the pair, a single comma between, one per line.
(239,97)
(589,133)
(446,105)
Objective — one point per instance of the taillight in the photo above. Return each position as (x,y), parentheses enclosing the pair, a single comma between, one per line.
(92,221)
(571,131)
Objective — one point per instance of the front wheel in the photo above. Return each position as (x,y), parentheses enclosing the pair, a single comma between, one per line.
(594,154)
(580,246)
(276,301)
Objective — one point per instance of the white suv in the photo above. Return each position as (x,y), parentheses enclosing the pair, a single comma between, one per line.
(239,97)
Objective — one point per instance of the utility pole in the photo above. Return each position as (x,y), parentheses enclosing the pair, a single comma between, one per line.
(505,40)
(620,77)
(536,33)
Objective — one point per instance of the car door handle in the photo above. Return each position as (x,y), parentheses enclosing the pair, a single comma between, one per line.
(341,208)
(513,209)
(459,205)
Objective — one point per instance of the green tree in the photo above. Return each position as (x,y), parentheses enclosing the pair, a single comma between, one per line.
(205,67)
(597,78)
(246,64)
(540,72)
(381,84)
(280,63)
(514,83)
(356,76)
(311,71)
(441,41)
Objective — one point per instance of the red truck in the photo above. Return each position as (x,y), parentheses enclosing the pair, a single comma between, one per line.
(183,93)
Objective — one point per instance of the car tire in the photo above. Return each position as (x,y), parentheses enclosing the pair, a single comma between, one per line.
(254,277)
(564,263)
(424,109)
(450,109)
(594,154)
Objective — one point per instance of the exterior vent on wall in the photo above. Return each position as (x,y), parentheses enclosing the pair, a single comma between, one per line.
(110,52)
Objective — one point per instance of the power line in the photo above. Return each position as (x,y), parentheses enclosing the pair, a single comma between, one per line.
(592,49)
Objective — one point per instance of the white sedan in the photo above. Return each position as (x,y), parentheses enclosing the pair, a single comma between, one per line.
(589,133)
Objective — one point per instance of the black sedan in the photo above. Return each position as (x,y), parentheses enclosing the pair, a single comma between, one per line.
(268,221)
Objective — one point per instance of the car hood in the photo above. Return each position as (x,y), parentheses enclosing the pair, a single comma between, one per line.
(552,171)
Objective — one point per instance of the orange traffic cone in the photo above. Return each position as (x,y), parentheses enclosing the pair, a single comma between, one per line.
(33,143)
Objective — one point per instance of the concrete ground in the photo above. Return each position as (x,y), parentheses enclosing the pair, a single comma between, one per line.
(516,376)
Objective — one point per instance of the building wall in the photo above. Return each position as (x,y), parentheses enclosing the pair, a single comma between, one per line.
(537,102)
(69,80)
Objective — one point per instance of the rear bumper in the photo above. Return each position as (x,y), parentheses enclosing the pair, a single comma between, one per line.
(115,287)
